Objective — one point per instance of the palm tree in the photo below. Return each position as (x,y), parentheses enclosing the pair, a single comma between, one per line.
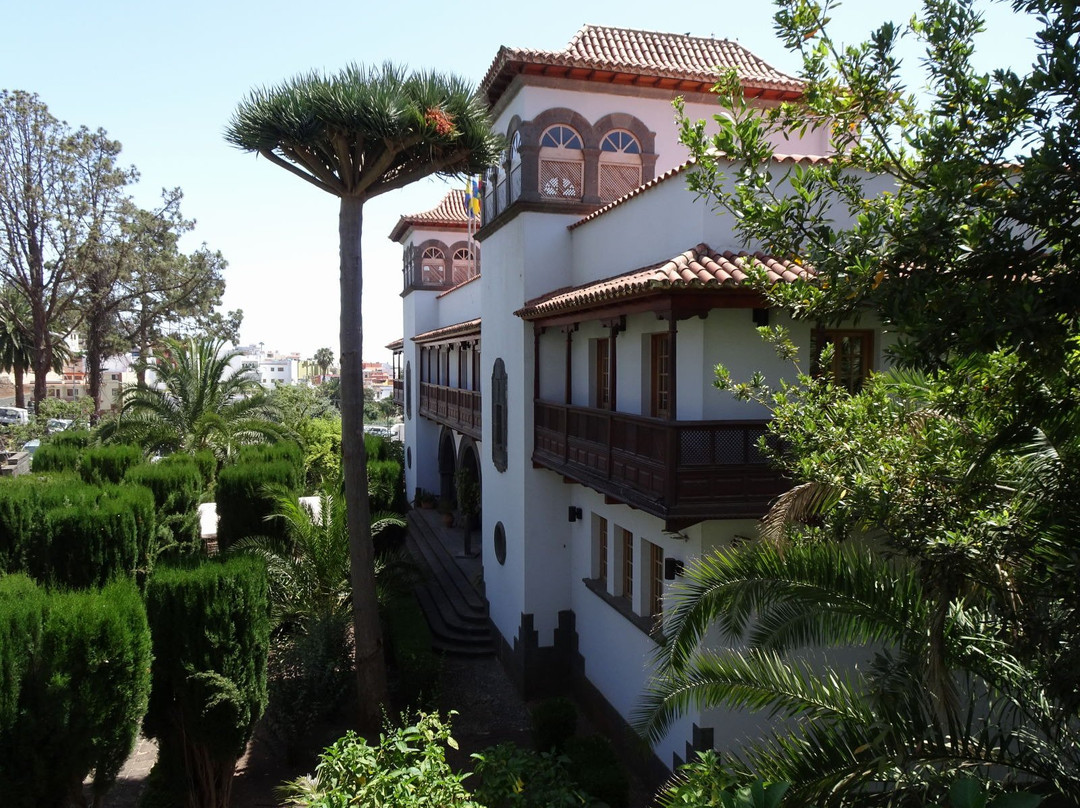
(356,135)
(198,403)
(17,340)
(324,358)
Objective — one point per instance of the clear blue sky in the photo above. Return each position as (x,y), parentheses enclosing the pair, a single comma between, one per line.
(164,80)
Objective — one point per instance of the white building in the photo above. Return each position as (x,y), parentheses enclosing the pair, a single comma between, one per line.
(573,376)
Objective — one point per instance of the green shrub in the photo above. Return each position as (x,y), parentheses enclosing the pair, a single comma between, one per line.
(282,451)
(177,487)
(245,498)
(386,486)
(407,769)
(79,664)
(54,456)
(63,532)
(596,768)
(512,777)
(415,664)
(553,722)
(310,676)
(210,629)
(79,438)
(108,464)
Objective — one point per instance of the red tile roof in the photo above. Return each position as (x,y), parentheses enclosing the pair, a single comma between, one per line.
(469,328)
(449,214)
(698,268)
(396,345)
(649,54)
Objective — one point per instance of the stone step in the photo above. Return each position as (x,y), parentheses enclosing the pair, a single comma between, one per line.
(455,611)
(430,550)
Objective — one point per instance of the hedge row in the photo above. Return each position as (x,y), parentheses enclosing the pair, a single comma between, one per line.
(211,628)
(245,491)
(177,486)
(64,532)
(74,683)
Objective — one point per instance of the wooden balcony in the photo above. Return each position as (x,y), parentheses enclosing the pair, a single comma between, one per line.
(457,409)
(399,392)
(681,471)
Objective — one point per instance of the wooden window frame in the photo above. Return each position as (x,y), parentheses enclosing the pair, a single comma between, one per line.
(835,336)
(660,375)
(655,604)
(602,369)
(626,567)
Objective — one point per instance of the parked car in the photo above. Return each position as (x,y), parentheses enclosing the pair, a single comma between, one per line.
(14,415)
(58,425)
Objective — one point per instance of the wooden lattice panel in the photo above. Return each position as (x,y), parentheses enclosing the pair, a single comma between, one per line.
(560,179)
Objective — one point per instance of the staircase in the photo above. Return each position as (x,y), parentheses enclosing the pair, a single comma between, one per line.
(455,610)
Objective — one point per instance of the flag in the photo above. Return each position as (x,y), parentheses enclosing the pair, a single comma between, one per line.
(472,197)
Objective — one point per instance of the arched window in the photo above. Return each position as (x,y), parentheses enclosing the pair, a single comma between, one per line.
(463,267)
(491,207)
(562,163)
(434,267)
(515,166)
(620,165)
(408,390)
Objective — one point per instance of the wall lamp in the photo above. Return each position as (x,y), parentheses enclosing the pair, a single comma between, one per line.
(673,568)
(575,514)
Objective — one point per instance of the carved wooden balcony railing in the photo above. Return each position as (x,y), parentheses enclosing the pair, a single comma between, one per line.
(681,471)
(457,409)
(399,392)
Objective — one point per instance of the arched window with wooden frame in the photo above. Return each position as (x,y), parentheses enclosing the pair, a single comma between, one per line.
(433,263)
(620,165)
(562,163)
(463,266)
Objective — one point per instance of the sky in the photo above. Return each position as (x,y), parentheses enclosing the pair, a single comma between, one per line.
(164,80)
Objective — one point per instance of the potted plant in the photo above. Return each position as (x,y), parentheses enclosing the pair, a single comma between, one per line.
(427,499)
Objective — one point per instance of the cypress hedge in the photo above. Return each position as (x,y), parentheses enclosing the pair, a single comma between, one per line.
(108,464)
(63,532)
(79,438)
(245,497)
(210,626)
(177,486)
(76,679)
(54,456)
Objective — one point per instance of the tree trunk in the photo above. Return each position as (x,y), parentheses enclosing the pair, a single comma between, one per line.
(20,393)
(370,663)
(42,353)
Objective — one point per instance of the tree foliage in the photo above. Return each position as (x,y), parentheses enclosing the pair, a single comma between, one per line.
(199,403)
(950,218)
(358,134)
(59,189)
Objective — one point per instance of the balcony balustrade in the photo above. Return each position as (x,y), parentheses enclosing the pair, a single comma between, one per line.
(681,471)
(399,392)
(457,409)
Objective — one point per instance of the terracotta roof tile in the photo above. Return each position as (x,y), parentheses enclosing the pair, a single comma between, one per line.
(698,268)
(648,53)
(396,345)
(449,213)
(469,328)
